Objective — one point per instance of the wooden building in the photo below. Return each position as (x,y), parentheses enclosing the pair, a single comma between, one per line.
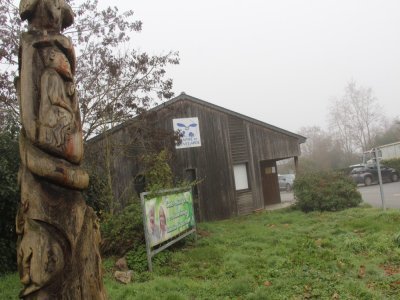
(233,155)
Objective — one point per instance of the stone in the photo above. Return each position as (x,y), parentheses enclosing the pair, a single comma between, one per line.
(121,264)
(124,277)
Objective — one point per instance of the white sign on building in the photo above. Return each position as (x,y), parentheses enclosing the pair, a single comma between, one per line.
(190,131)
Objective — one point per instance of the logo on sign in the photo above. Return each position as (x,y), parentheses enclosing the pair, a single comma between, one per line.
(189,131)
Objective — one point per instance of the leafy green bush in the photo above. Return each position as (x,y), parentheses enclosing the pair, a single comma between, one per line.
(158,172)
(9,198)
(123,231)
(98,195)
(392,163)
(325,191)
(396,240)
(137,259)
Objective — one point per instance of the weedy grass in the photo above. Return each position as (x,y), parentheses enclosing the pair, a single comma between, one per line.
(286,254)
(9,286)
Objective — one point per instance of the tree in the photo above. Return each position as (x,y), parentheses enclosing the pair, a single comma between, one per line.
(320,152)
(10,29)
(356,118)
(390,134)
(129,145)
(113,84)
(9,196)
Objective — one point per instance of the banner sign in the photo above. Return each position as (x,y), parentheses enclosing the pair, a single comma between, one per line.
(167,216)
(190,130)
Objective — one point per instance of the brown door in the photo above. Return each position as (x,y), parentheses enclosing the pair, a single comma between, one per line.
(270,185)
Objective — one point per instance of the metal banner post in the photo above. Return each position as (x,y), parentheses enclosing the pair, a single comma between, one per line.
(375,151)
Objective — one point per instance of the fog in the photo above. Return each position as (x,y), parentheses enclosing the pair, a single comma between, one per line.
(278,61)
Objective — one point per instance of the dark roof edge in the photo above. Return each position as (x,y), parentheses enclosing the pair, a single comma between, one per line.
(110,131)
(184,96)
(225,110)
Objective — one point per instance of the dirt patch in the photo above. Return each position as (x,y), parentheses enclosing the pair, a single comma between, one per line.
(203,233)
(390,270)
(361,272)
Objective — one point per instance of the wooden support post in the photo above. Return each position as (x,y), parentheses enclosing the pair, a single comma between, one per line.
(296,163)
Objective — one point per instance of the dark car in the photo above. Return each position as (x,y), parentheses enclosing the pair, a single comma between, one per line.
(368,174)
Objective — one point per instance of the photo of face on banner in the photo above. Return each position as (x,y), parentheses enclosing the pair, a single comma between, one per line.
(153,227)
(163,222)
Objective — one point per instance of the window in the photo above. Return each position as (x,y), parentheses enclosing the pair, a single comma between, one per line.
(241,178)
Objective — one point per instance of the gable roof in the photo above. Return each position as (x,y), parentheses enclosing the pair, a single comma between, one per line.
(185,97)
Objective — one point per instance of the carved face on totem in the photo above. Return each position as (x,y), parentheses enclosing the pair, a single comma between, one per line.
(54,58)
(51,15)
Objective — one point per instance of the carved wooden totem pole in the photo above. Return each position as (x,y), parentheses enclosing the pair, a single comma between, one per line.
(58,248)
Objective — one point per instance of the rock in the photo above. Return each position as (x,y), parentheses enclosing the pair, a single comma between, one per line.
(124,277)
(121,264)
(267,283)
(361,272)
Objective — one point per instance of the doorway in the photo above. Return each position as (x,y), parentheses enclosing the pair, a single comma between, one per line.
(269,181)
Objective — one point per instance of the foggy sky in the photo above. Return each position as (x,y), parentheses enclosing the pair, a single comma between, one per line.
(277,61)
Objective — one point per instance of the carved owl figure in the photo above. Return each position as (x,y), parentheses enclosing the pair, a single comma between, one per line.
(51,15)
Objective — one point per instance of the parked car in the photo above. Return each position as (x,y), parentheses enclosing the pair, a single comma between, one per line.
(368,174)
(286,182)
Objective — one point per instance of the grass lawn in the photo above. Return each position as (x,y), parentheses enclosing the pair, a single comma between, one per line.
(353,254)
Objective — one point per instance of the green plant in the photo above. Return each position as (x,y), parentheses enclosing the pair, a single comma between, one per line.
(10,286)
(123,231)
(9,197)
(98,195)
(392,163)
(283,254)
(396,239)
(158,172)
(325,191)
(137,259)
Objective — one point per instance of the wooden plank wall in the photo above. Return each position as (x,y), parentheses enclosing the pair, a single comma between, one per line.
(267,144)
(252,144)
(212,160)
(123,153)
(240,154)
(244,202)
(226,140)
(238,140)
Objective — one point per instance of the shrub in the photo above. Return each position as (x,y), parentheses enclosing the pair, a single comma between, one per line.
(123,231)
(9,198)
(98,194)
(396,239)
(158,172)
(137,258)
(392,163)
(325,191)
